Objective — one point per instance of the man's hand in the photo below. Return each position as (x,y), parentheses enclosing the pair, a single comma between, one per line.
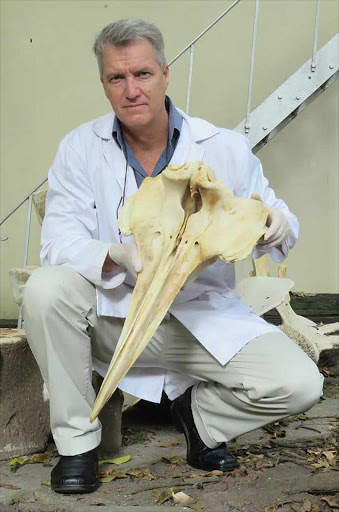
(126,256)
(278,226)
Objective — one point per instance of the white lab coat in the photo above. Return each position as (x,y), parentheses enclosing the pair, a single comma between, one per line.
(86,183)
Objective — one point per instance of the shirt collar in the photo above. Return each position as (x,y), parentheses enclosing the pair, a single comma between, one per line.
(174,124)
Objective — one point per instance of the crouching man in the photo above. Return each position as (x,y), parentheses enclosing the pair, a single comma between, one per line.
(226,369)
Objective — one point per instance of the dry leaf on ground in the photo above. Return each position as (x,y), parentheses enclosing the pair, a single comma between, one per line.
(331,456)
(177,461)
(306,506)
(111,474)
(165,495)
(9,486)
(276,506)
(237,472)
(331,502)
(215,472)
(37,458)
(143,473)
(119,460)
(168,444)
(106,479)
(16,463)
(321,464)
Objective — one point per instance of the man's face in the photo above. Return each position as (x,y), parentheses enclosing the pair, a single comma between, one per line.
(134,83)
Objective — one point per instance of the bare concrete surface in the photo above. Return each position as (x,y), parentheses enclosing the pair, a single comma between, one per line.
(290,466)
(24,414)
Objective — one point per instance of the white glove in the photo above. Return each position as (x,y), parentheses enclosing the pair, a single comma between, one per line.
(278,226)
(126,256)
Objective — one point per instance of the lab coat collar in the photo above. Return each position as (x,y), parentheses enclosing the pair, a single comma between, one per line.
(199,128)
(194,130)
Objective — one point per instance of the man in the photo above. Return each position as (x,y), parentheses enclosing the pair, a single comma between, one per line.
(226,369)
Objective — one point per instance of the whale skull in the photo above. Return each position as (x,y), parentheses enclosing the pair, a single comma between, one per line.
(182,220)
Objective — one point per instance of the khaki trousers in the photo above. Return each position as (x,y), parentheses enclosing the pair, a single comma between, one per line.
(268,379)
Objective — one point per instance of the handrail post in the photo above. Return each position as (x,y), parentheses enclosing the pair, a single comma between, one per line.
(189,85)
(26,248)
(315,40)
(28,229)
(204,31)
(254,38)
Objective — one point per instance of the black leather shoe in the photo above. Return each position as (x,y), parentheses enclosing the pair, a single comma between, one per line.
(198,454)
(75,474)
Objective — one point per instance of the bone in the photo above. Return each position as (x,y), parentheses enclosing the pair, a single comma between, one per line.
(182,221)
(264,293)
(311,338)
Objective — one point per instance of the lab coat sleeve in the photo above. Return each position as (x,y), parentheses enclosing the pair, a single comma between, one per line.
(70,229)
(251,180)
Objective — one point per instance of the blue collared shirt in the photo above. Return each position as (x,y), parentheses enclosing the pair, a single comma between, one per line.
(174,127)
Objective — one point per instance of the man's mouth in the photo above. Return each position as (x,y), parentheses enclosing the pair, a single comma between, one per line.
(136,106)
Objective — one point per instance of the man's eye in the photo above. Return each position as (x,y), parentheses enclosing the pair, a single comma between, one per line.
(143,74)
(115,79)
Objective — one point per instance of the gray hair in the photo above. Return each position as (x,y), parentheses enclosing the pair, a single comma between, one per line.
(122,32)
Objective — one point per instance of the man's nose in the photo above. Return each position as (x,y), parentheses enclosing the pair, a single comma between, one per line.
(132,89)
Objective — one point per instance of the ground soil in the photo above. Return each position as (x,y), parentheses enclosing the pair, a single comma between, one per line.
(290,466)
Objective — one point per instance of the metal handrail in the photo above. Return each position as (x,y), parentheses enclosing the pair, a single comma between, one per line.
(250,85)
(315,40)
(23,201)
(191,44)
(204,31)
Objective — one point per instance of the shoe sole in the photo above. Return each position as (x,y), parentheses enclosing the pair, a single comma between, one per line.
(79,489)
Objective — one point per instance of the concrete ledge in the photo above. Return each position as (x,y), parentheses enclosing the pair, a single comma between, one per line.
(24,415)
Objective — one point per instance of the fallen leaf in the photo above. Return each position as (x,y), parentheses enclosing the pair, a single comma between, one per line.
(106,479)
(52,453)
(24,497)
(313,452)
(271,508)
(38,458)
(302,417)
(9,486)
(119,460)
(321,464)
(257,458)
(165,495)
(306,506)
(16,463)
(215,472)
(143,473)
(167,444)
(177,461)
(46,483)
(330,502)
(237,472)
(331,456)
(112,473)
(182,498)
(275,429)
